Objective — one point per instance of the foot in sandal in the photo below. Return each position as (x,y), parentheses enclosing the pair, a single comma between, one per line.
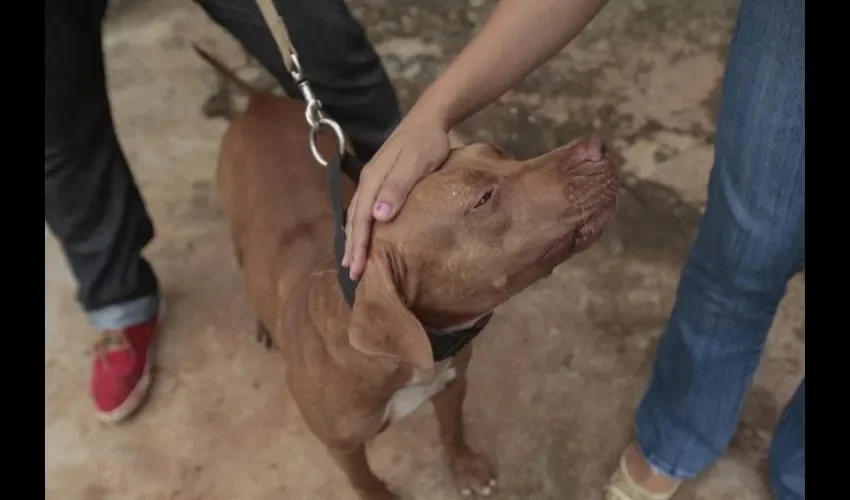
(635,479)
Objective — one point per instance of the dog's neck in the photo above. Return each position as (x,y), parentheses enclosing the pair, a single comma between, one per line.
(461,326)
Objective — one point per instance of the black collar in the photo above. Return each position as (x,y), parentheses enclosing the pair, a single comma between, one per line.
(444,345)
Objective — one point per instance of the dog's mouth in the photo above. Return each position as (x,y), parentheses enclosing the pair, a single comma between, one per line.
(589,231)
(592,228)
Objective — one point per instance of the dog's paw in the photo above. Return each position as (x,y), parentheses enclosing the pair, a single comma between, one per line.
(263,336)
(473,474)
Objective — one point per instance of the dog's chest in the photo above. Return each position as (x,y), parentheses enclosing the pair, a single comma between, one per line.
(420,389)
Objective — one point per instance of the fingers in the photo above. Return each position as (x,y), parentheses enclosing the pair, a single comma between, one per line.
(346,258)
(384,187)
(359,224)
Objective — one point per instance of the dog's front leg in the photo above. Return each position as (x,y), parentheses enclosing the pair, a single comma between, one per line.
(472,472)
(356,467)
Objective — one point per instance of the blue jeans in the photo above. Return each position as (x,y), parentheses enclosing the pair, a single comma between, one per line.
(750,242)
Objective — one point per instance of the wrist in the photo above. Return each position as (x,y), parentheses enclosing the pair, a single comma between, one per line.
(433,109)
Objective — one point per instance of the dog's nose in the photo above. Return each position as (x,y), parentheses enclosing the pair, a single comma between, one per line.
(592,147)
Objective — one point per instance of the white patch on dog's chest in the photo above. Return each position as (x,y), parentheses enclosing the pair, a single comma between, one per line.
(423,386)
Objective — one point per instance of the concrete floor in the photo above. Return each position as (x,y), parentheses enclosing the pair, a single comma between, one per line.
(559,371)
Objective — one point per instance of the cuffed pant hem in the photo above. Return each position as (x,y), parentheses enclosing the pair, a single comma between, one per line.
(661,467)
(120,316)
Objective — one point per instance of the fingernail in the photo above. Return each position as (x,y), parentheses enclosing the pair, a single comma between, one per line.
(382,209)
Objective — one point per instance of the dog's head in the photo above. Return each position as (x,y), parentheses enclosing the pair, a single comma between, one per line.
(474,234)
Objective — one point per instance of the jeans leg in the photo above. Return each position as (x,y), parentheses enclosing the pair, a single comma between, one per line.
(788,450)
(343,68)
(91,202)
(750,243)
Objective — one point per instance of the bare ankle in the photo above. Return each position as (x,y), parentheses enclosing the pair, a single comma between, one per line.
(643,474)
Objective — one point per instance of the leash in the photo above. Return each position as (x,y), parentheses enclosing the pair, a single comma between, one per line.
(318,122)
(444,345)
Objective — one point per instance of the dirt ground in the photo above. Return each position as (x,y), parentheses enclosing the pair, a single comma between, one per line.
(555,377)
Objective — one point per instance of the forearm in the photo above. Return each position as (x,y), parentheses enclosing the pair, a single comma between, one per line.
(519,36)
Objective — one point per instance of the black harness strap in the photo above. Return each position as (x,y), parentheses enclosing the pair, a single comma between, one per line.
(346,285)
(444,345)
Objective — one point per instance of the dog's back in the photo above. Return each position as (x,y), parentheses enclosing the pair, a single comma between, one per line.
(274,194)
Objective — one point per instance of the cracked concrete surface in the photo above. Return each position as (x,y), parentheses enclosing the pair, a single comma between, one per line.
(555,377)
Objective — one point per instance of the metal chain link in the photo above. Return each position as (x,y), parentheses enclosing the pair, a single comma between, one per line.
(315,114)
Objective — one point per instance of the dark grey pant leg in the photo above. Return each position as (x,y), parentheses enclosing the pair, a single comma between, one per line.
(91,202)
(345,71)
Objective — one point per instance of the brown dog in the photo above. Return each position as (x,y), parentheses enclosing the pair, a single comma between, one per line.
(470,236)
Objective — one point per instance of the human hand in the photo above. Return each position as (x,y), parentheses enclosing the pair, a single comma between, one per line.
(417,147)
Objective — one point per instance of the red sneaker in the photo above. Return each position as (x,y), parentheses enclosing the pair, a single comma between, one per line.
(121,371)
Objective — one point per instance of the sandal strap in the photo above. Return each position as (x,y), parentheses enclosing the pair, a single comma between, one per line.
(621,486)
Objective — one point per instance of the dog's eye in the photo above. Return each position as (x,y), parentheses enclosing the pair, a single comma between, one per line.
(484,198)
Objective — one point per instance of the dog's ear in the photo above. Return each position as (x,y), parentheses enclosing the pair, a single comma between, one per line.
(381,323)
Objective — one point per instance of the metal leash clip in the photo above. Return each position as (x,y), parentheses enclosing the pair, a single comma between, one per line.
(315,114)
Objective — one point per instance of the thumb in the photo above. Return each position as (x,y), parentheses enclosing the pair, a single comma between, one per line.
(383,211)
(393,194)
